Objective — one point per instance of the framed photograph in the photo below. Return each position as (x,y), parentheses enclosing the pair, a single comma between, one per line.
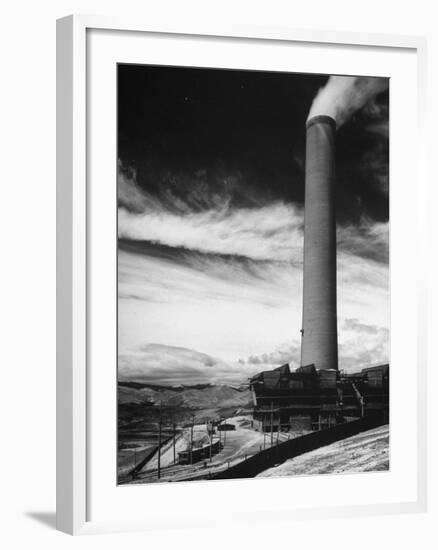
(241,323)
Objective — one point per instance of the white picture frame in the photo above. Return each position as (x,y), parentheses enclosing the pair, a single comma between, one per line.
(73,289)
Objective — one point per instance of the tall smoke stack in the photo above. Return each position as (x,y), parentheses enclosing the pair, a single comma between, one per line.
(320,337)
(333,105)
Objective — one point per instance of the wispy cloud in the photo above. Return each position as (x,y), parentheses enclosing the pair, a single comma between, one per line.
(173,366)
(129,194)
(270,232)
(367,240)
(224,306)
(360,345)
(288,352)
(234,276)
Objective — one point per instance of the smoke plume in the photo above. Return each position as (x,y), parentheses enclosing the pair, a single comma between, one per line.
(342,96)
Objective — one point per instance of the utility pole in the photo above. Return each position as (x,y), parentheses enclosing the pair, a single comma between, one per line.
(159,442)
(210,436)
(272,422)
(174,442)
(191,440)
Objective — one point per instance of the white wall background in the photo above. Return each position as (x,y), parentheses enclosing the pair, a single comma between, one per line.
(27,285)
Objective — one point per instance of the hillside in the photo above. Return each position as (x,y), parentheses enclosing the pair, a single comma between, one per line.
(139,404)
(193,397)
(364,452)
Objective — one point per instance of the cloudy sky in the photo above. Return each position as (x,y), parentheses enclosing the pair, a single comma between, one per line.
(210,224)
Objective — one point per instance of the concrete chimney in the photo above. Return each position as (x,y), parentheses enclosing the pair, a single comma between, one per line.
(319,343)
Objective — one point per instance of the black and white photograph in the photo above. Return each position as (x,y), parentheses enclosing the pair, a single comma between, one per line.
(218,281)
(253,315)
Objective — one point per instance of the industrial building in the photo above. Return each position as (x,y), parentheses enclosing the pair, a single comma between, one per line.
(316,395)
(311,399)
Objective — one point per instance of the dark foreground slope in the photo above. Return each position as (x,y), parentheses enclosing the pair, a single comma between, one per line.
(365,452)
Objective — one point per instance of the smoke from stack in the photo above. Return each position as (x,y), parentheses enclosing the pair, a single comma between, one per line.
(342,96)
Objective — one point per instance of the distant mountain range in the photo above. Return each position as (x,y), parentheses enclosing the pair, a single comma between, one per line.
(185,383)
(197,396)
(156,387)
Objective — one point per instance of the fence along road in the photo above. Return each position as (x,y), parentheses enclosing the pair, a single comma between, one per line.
(294,447)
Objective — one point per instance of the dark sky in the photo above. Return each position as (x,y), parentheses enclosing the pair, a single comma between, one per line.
(205,134)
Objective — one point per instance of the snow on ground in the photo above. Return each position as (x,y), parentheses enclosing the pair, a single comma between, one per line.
(244,440)
(364,452)
(182,443)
